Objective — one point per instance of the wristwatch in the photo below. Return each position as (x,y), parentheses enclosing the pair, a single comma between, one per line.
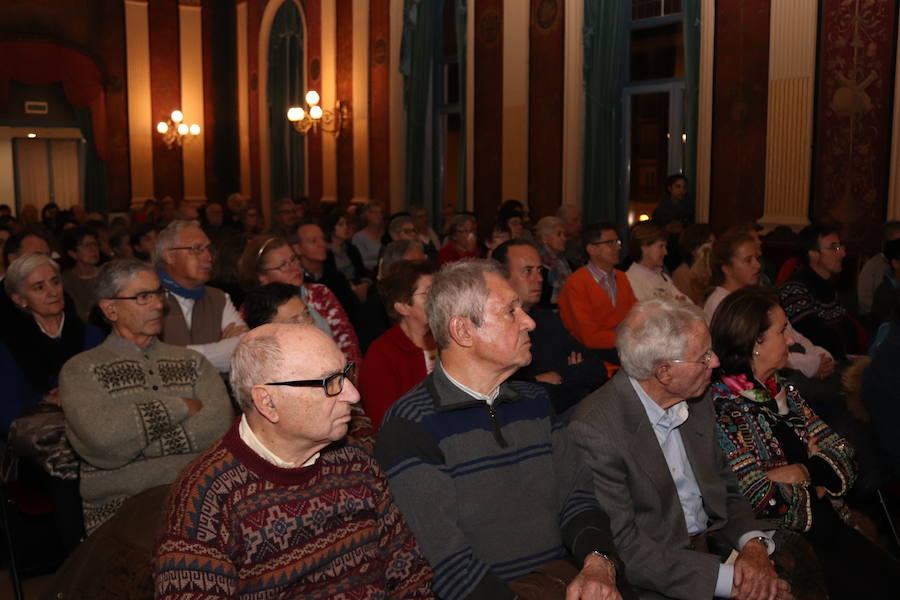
(616,565)
(765,541)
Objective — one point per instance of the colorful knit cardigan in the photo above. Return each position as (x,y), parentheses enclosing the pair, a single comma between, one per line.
(744,430)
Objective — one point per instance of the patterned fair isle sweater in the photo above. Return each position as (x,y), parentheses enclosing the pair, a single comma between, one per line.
(127,419)
(237,526)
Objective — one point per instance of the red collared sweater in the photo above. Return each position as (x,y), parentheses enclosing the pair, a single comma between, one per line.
(393,365)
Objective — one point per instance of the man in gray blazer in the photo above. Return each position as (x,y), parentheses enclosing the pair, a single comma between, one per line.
(675,507)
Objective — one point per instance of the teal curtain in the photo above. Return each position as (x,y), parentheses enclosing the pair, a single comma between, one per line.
(95,193)
(691,14)
(416,65)
(604,43)
(461,9)
(285,89)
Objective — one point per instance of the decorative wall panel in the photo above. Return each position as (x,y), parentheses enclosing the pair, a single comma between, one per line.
(853,116)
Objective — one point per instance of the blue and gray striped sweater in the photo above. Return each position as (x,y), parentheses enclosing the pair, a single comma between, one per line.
(490,492)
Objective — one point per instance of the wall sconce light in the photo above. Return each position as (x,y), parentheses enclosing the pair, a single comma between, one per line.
(175,131)
(314,117)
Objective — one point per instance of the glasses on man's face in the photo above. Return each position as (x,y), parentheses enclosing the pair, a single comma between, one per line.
(704,360)
(285,266)
(143,298)
(833,247)
(332,384)
(616,242)
(196,250)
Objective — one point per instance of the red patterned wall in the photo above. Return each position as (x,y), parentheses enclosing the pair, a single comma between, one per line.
(853,116)
(488,97)
(344,66)
(740,96)
(545,107)
(165,94)
(379,101)
(313,15)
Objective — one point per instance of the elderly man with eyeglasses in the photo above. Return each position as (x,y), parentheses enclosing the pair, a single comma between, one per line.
(281,506)
(198,316)
(137,409)
(679,519)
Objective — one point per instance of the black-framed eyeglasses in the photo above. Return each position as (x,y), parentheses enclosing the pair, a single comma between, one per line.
(143,298)
(616,242)
(833,247)
(332,384)
(704,360)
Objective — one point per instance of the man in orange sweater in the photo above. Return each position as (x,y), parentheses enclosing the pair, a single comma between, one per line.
(596,297)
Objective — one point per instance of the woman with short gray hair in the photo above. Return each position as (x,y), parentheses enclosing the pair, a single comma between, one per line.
(38,343)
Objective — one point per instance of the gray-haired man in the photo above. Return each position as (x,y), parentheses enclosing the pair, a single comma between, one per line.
(487,481)
(198,316)
(658,470)
(137,410)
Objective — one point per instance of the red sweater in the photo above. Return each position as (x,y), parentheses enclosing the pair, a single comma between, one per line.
(452,253)
(239,527)
(393,365)
(587,312)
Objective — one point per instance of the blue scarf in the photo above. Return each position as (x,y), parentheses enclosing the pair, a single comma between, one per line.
(178,289)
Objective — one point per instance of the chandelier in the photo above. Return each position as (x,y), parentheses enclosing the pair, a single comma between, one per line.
(314,117)
(175,132)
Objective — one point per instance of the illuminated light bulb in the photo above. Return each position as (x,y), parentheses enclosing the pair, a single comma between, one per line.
(177,116)
(183,129)
(194,129)
(643,217)
(295,113)
(315,112)
(312,97)
(683,138)
(162,127)
(31,136)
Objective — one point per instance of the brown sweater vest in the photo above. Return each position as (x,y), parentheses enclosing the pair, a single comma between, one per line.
(206,320)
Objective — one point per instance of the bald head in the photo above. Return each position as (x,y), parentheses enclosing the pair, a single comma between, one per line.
(266,352)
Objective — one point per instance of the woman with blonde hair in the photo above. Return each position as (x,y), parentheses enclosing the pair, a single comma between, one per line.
(268,259)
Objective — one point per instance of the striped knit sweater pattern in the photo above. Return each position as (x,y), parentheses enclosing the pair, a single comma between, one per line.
(490,493)
(237,526)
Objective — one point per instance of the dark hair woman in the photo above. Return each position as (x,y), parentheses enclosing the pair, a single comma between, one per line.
(647,275)
(406,352)
(788,462)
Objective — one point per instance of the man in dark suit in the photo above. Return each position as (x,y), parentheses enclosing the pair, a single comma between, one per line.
(675,508)
(562,365)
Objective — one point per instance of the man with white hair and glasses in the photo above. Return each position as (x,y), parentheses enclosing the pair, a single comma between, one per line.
(676,511)
(281,506)
(137,410)
(198,316)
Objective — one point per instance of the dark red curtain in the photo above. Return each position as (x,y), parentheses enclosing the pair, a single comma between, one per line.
(38,63)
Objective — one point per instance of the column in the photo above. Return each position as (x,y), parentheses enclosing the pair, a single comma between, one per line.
(792,63)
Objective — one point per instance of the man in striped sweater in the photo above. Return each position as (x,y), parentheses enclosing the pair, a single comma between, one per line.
(280,507)
(486,479)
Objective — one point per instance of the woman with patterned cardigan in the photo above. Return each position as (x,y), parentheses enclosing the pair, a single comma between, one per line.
(789,463)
